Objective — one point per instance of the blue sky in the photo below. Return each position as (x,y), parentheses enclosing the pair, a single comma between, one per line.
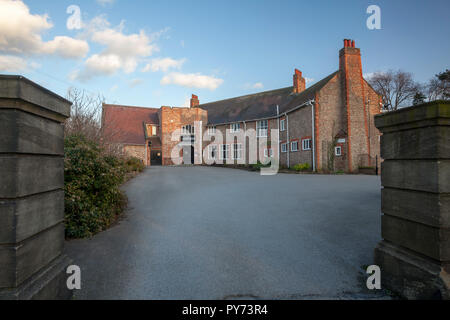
(215,49)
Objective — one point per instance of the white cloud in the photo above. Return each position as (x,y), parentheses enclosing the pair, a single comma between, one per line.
(163,64)
(20,34)
(309,80)
(122,52)
(257,85)
(369,75)
(16,64)
(192,80)
(136,82)
(67,47)
(12,64)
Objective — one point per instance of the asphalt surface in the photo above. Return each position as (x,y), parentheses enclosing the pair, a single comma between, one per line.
(216,233)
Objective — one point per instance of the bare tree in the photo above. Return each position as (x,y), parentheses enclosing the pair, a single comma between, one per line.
(438,88)
(397,88)
(86,120)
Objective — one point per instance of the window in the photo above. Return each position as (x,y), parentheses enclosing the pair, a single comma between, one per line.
(237,151)
(283,125)
(262,128)
(338,151)
(152,130)
(268,153)
(212,152)
(294,146)
(284,147)
(211,131)
(235,127)
(224,151)
(188,134)
(188,130)
(306,144)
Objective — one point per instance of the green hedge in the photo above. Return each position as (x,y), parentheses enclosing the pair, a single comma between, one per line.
(93,199)
(302,167)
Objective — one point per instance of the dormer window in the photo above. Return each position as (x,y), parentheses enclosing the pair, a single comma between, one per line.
(211,130)
(152,130)
(235,127)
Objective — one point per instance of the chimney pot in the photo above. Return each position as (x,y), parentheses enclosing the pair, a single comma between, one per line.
(299,82)
(195,102)
(353,43)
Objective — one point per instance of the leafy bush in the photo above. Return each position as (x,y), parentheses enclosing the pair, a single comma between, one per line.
(302,167)
(93,199)
(135,164)
(258,166)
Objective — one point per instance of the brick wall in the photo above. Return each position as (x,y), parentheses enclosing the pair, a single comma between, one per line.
(300,127)
(136,151)
(374,134)
(331,122)
(172,119)
(355,100)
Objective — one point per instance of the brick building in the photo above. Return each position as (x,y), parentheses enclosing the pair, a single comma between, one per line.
(329,125)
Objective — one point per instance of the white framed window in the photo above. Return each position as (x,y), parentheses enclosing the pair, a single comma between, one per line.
(284,147)
(294,146)
(152,130)
(211,130)
(268,153)
(235,127)
(237,151)
(338,151)
(307,144)
(224,151)
(188,130)
(262,128)
(283,125)
(212,152)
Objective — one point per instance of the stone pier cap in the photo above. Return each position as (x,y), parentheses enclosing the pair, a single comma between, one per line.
(38,100)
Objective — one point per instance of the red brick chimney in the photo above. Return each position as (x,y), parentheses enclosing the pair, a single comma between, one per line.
(194,101)
(350,67)
(299,82)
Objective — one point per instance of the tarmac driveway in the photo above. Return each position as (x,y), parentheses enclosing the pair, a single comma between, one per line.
(216,233)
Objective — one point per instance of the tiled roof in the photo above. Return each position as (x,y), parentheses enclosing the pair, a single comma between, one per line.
(260,105)
(124,124)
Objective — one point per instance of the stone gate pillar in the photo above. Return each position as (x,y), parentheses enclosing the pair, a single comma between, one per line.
(415,254)
(32,263)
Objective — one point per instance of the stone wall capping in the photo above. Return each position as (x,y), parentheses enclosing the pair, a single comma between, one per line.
(20,88)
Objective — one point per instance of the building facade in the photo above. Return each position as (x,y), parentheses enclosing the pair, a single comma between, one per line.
(329,126)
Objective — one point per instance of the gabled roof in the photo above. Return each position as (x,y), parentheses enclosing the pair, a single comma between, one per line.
(260,105)
(124,124)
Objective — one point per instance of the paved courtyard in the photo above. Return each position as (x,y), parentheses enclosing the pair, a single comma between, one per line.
(216,233)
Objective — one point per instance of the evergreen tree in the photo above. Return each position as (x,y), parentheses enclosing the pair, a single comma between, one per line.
(419,98)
